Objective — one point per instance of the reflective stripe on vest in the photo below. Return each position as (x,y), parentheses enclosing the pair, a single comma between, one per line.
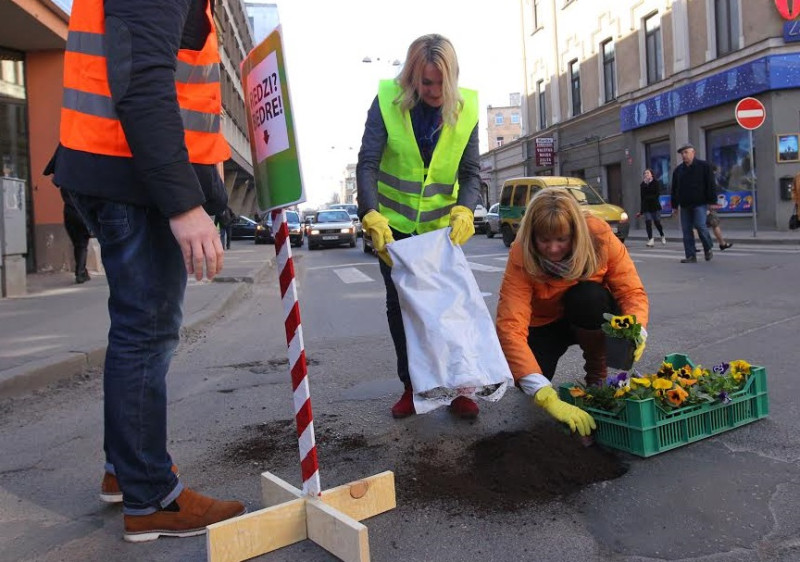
(412,197)
(89,121)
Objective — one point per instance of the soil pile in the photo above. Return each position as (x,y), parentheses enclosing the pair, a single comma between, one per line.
(507,471)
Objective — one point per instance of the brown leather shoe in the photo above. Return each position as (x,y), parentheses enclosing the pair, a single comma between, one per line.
(187,516)
(109,487)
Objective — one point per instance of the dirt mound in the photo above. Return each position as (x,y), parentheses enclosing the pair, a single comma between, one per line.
(507,470)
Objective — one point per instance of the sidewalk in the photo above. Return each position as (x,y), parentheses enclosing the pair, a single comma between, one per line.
(59,328)
(739,235)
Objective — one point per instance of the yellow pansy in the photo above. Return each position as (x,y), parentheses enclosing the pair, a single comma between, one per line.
(641,381)
(662,384)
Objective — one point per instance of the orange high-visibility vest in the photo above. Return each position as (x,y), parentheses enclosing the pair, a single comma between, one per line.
(89,121)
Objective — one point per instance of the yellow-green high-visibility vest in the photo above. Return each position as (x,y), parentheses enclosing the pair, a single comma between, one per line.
(415,198)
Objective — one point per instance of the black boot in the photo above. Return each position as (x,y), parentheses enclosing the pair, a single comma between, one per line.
(593,344)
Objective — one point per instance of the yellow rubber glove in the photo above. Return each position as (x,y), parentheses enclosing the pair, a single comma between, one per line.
(571,415)
(461,224)
(378,228)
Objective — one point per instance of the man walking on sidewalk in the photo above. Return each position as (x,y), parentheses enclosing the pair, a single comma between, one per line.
(693,190)
(140,140)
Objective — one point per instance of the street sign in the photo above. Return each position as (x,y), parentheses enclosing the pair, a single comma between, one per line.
(544,151)
(750,113)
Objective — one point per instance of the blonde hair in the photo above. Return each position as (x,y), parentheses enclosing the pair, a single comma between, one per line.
(554,212)
(438,51)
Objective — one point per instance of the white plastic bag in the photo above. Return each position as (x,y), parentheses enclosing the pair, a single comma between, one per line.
(452,344)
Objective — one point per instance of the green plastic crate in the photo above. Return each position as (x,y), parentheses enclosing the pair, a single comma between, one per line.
(644,429)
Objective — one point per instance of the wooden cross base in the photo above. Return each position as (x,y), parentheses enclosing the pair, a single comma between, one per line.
(330,520)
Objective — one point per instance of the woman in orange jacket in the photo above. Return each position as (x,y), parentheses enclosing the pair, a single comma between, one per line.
(565,269)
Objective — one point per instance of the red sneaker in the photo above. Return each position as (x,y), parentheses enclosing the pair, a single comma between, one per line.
(464,408)
(404,406)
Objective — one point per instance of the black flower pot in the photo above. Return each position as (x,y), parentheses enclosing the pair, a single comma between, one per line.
(619,353)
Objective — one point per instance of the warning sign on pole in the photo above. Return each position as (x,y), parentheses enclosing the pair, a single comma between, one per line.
(273,144)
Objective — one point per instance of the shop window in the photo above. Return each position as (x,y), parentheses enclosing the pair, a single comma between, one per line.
(729,156)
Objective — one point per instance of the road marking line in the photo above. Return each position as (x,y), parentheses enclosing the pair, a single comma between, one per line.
(480,267)
(352,275)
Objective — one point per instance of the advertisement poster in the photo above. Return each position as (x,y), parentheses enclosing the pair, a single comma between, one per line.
(273,144)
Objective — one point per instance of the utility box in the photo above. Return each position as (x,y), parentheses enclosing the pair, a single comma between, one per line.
(13,237)
(785,188)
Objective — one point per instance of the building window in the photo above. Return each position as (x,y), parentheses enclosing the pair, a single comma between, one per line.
(537,24)
(540,99)
(609,70)
(515,118)
(498,141)
(729,156)
(652,47)
(498,119)
(726,13)
(575,86)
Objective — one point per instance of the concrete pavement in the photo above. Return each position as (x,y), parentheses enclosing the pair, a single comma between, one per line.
(59,329)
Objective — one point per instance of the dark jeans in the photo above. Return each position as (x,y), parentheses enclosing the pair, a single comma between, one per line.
(395,318)
(584,305)
(650,218)
(147,279)
(694,218)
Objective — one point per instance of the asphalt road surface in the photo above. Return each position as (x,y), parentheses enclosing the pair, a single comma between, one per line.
(733,497)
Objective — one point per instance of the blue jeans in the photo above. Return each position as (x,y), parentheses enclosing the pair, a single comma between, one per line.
(694,218)
(146,279)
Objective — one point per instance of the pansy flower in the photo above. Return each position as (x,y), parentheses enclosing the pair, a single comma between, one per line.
(720,368)
(641,381)
(662,384)
(739,368)
(676,396)
(622,322)
(686,382)
(577,392)
(724,397)
(619,380)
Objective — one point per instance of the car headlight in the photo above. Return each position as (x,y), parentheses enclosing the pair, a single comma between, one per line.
(259,227)
(623,217)
(314,231)
(347,230)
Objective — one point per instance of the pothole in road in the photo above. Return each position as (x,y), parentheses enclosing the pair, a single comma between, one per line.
(506,471)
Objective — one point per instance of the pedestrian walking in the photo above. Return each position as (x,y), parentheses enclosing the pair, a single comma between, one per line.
(650,206)
(565,270)
(139,144)
(418,178)
(693,189)
(79,235)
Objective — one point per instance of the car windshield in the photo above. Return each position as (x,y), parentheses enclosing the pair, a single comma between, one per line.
(584,194)
(351,209)
(292,217)
(333,216)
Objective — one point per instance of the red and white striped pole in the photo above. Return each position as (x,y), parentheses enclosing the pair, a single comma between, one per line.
(297,357)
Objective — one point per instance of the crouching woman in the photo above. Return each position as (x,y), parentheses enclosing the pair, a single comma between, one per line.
(565,269)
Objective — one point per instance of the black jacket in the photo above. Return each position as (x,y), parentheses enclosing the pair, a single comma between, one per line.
(369,159)
(649,193)
(693,185)
(144,37)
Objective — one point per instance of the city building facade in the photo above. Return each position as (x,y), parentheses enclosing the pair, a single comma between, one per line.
(504,123)
(33,35)
(614,88)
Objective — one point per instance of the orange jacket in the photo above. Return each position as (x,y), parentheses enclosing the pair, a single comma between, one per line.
(525,301)
(88,117)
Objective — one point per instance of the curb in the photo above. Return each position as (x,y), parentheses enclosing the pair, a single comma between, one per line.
(65,365)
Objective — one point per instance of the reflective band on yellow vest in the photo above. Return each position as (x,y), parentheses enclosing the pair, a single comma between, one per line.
(89,121)
(412,197)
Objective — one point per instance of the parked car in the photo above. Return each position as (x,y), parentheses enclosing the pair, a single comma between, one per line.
(479,219)
(243,227)
(493,221)
(266,234)
(352,210)
(331,227)
(517,192)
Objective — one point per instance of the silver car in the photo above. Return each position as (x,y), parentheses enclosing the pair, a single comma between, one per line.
(493,220)
(331,227)
(352,210)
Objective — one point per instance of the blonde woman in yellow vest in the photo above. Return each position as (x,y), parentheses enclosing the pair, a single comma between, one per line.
(418,171)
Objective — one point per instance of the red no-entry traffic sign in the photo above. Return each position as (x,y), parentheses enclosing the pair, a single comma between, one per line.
(750,113)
